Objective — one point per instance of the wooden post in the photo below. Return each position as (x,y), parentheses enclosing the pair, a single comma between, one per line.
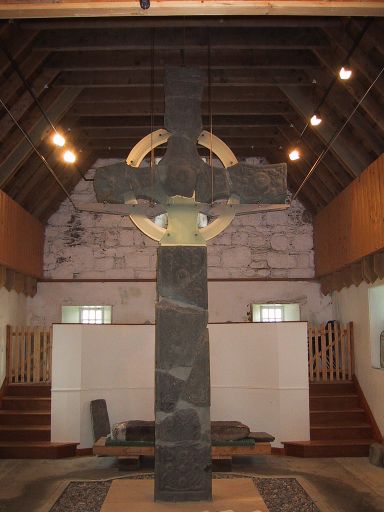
(317,353)
(323,354)
(343,346)
(330,350)
(352,348)
(8,355)
(310,352)
(337,351)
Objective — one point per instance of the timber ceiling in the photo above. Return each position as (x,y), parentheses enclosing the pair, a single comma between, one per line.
(268,74)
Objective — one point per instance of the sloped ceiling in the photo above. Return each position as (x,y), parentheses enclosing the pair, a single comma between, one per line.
(94,79)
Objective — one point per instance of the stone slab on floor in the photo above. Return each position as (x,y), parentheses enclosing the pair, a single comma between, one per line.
(238,495)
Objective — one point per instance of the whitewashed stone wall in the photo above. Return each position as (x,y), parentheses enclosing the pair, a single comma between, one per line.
(92,246)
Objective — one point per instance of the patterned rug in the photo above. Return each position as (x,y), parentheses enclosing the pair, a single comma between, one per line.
(279,494)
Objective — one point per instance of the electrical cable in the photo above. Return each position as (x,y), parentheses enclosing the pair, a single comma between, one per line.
(334,137)
(42,158)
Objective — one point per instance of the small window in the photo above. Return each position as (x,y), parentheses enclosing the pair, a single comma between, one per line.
(95,315)
(272,313)
(275,312)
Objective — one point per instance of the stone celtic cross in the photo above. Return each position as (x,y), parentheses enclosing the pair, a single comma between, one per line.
(183,185)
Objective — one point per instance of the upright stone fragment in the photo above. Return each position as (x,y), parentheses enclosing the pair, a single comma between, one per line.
(183,429)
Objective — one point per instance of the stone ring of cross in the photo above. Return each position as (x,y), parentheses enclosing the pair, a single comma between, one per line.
(207,140)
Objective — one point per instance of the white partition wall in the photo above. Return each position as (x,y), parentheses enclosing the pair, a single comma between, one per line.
(259,375)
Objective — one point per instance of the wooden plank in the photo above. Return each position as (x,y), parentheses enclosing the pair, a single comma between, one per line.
(349,351)
(324,365)
(343,352)
(337,350)
(8,354)
(22,354)
(21,238)
(17,354)
(346,223)
(29,353)
(68,8)
(351,328)
(36,355)
(331,348)
(310,352)
(317,349)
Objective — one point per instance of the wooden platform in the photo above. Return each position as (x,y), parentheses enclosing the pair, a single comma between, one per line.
(240,495)
(218,452)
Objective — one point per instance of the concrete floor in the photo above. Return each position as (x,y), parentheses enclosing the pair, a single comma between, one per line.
(336,485)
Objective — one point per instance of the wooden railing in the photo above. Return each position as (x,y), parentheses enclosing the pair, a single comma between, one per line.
(29,355)
(330,349)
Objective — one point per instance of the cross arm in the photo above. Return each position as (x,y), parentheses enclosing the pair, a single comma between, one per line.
(119,183)
(251,184)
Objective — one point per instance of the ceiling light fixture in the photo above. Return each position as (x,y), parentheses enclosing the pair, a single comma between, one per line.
(58,139)
(294,154)
(345,72)
(69,157)
(316,119)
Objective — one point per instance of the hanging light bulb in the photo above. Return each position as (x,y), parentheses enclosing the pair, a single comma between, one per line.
(294,154)
(345,73)
(69,157)
(58,139)
(316,119)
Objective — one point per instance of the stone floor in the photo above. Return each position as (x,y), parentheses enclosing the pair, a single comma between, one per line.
(336,485)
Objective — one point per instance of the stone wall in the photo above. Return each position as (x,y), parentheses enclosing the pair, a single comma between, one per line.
(94,246)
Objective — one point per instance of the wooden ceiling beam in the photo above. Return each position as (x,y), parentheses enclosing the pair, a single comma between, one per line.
(13,156)
(174,21)
(219,77)
(143,93)
(179,38)
(68,8)
(142,60)
(348,151)
(15,45)
(322,173)
(25,101)
(356,87)
(136,133)
(144,108)
(219,121)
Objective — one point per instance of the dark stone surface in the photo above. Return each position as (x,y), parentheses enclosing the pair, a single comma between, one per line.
(183,89)
(228,430)
(179,329)
(197,390)
(376,454)
(99,418)
(182,275)
(171,388)
(185,474)
(183,440)
(134,430)
(183,425)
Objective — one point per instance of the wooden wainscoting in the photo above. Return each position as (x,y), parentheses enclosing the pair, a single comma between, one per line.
(330,349)
(29,355)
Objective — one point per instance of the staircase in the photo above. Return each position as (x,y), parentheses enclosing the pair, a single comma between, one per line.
(25,424)
(339,424)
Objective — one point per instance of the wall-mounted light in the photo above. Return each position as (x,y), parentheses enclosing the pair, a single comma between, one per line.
(58,140)
(69,157)
(316,119)
(345,73)
(294,154)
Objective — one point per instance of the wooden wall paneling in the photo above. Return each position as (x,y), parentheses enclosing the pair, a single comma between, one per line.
(21,239)
(351,227)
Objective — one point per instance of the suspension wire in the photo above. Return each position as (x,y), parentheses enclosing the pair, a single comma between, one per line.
(334,79)
(152,107)
(39,154)
(26,84)
(334,137)
(210,114)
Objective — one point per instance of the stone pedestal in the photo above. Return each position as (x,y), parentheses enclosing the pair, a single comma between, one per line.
(182,401)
